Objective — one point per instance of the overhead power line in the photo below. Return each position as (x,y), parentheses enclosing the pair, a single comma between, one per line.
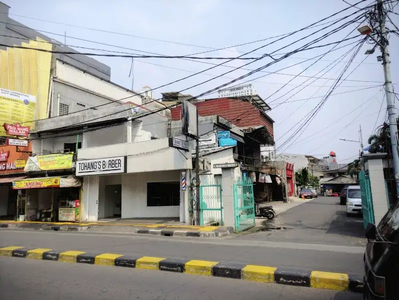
(256,70)
(312,114)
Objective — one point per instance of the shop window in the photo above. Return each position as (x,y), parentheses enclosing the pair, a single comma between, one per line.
(163,194)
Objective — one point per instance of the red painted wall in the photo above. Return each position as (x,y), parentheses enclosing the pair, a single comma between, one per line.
(240,113)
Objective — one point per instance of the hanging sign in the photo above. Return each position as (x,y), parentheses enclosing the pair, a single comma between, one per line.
(36,183)
(17,142)
(4,155)
(179,144)
(226,165)
(16,129)
(101,166)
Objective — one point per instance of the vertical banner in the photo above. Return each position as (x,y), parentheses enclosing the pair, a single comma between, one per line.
(183,181)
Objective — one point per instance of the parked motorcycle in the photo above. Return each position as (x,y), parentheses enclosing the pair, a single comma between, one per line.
(264,211)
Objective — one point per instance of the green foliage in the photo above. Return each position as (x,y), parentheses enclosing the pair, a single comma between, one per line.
(302,177)
(313,181)
(354,168)
(379,141)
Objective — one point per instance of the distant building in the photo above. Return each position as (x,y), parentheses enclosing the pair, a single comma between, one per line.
(237,91)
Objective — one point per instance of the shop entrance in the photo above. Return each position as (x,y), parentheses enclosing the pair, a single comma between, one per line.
(112,202)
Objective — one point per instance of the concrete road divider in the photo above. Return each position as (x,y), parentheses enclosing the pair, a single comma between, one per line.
(266,274)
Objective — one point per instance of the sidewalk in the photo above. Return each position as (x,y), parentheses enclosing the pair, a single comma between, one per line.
(171,228)
(280,207)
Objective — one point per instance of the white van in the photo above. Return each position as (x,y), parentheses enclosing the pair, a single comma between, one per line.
(353,200)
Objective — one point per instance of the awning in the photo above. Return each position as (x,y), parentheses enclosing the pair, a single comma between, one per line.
(11,179)
(236,137)
(46,182)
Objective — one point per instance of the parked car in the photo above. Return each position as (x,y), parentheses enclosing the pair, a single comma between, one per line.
(353,200)
(314,192)
(307,193)
(381,258)
(342,196)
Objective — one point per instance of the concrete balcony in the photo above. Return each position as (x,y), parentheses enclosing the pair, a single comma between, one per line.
(146,156)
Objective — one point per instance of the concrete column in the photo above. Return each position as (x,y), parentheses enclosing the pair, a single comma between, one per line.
(129,132)
(228,196)
(378,191)
(90,198)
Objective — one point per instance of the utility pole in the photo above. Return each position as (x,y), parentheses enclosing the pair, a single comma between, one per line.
(197,178)
(361,139)
(389,89)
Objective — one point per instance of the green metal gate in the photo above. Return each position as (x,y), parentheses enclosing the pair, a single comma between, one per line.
(211,204)
(244,205)
(367,200)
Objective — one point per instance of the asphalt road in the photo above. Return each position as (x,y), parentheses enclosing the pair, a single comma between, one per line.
(38,280)
(320,221)
(277,254)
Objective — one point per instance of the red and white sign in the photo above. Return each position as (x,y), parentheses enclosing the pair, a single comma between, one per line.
(17,142)
(4,155)
(16,129)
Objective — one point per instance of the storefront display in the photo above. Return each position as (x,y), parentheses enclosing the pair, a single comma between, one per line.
(69,210)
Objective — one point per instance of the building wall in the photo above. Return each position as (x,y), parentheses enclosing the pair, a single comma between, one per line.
(134,195)
(83,80)
(76,98)
(299,160)
(240,113)
(106,136)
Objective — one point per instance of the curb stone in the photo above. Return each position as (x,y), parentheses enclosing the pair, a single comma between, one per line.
(265,274)
(164,231)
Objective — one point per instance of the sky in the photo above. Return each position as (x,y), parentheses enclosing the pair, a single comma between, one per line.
(181,27)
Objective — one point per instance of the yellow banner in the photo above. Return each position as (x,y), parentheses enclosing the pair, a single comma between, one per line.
(37,183)
(55,161)
(20,163)
(16,108)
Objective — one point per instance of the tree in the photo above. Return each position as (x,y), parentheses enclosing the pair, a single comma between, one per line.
(302,177)
(379,141)
(354,169)
(313,181)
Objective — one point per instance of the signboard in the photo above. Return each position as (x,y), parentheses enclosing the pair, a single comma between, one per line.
(16,129)
(67,214)
(226,165)
(17,142)
(36,183)
(49,162)
(189,118)
(101,166)
(16,108)
(177,143)
(4,155)
(223,134)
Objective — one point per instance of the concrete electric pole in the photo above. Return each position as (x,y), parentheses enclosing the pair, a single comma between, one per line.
(383,43)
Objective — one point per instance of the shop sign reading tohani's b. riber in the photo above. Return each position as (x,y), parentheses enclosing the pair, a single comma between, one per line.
(99,166)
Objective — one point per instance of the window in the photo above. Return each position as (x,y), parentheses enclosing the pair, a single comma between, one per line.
(163,194)
(63,110)
(71,147)
(354,193)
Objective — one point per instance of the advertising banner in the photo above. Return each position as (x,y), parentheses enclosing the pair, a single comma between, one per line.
(66,214)
(16,108)
(36,183)
(49,162)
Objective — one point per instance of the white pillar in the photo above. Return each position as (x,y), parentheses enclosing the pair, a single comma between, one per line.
(228,196)
(378,190)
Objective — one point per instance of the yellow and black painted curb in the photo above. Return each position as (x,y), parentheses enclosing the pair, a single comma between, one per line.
(152,229)
(287,276)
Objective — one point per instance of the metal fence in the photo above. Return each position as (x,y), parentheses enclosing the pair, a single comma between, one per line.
(244,205)
(367,200)
(211,204)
